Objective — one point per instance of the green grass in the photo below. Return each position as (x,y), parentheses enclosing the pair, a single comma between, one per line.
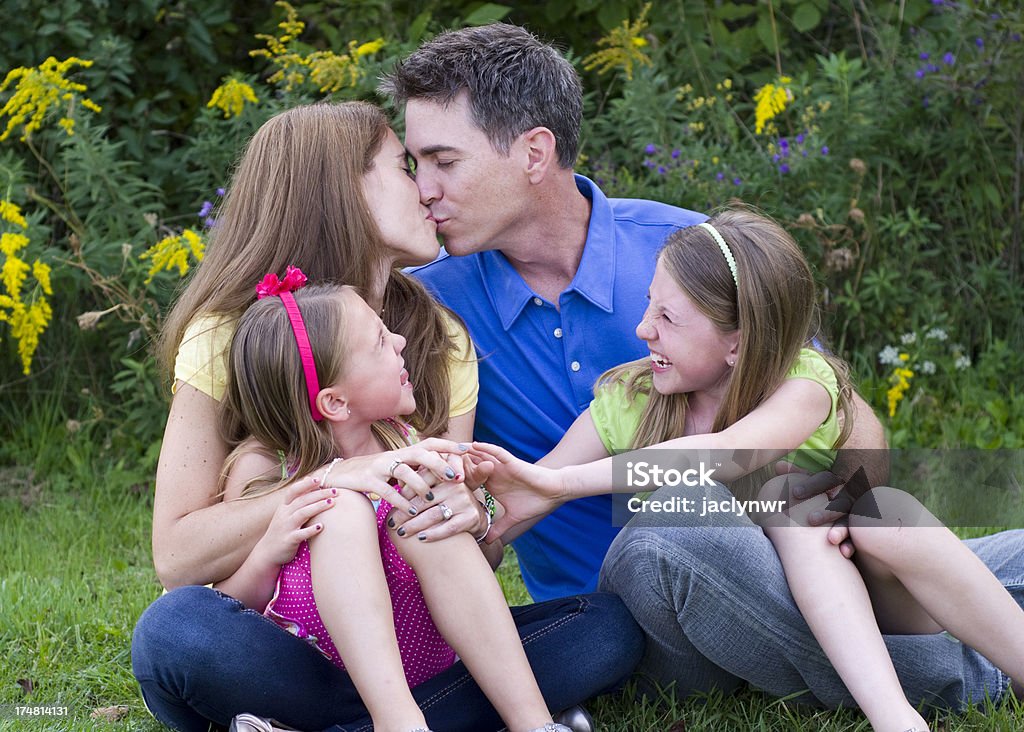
(75,573)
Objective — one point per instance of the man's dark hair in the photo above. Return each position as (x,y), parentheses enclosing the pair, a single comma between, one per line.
(514,83)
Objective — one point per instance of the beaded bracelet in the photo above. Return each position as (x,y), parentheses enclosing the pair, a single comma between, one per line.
(488,506)
(330,467)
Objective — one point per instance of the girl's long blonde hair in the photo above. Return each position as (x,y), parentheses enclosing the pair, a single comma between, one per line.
(774,307)
(296,198)
(266,396)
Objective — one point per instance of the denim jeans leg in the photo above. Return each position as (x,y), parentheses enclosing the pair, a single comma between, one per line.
(724,612)
(200,656)
(578,647)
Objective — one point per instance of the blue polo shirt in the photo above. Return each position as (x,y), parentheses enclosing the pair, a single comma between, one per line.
(538,364)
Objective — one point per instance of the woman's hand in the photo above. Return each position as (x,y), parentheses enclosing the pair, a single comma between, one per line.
(526,491)
(416,468)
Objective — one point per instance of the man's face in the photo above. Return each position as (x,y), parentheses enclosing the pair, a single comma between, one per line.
(474,192)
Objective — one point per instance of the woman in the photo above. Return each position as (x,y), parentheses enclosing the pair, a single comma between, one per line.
(325,188)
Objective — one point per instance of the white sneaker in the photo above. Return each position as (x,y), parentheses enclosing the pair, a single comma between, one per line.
(246,722)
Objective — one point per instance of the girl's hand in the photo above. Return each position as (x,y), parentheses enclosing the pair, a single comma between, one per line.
(416,468)
(526,491)
(288,527)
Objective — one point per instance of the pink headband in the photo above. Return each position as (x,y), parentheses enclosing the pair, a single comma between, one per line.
(293,280)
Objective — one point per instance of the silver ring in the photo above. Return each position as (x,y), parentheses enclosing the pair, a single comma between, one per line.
(446,512)
(394,466)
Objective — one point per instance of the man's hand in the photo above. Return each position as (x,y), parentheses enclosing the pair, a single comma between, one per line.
(803,486)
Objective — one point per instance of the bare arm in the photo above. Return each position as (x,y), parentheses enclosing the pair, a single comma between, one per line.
(198,539)
(580,444)
(297,519)
(778,426)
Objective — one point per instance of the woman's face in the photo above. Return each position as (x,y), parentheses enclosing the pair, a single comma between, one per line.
(394,202)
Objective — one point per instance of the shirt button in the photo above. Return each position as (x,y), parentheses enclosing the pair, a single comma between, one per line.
(537,301)
(558,332)
(575,365)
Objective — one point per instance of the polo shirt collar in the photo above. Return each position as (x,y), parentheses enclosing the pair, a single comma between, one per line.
(595,276)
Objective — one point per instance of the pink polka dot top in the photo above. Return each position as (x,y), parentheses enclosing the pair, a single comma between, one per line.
(424,652)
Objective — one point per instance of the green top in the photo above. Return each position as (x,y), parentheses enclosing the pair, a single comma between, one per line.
(617,418)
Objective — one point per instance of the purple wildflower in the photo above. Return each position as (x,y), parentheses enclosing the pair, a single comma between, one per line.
(824,149)
(800,139)
(675,154)
(775,158)
(205,210)
(1016,37)
(949,59)
(662,170)
(804,153)
(785,152)
(736,181)
(720,176)
(648,163)
(651,149)
(783,143)
(209,222)
(925,102)
(783,168)
(933,68)
(920,73)
(979,42)
(924,56)
(221,191)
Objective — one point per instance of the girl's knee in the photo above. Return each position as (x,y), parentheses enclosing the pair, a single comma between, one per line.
(879,517)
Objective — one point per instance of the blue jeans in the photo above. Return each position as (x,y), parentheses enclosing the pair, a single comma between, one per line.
(716,609)
(200,656)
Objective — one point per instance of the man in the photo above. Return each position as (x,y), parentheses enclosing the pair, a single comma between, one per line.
(550,277)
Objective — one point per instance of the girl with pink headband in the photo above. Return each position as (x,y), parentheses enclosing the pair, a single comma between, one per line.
(315,375)
(732,384)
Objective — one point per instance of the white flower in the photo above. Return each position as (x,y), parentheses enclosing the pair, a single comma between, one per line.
(937,334)
(907,338)
(889,356)
(928,367)
(964,362)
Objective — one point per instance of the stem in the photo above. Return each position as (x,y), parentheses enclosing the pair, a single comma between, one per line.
(775,37)
(71,219)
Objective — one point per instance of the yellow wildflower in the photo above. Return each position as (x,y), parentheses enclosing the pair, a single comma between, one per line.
(621,47)
(11,213)
(174,251)
(27,320)
(370,47)
(39,89)
(231,96)
(771,101)
(13,274)
(41,271)
(900,380)
(330,71)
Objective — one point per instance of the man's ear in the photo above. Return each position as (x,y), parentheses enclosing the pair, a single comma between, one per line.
(541,152)
(333,404)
